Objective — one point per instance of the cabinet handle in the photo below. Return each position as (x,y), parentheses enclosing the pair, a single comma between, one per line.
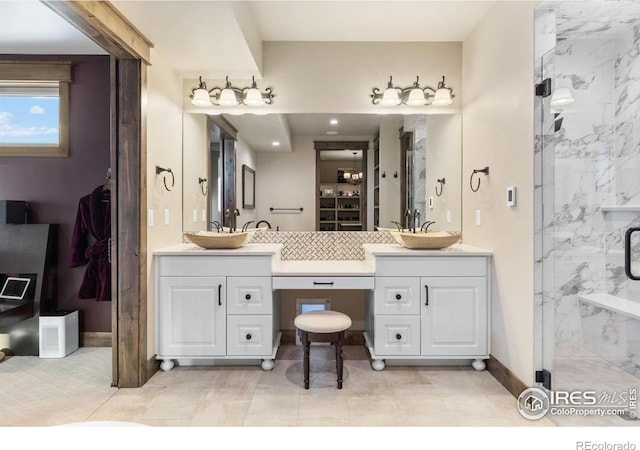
(248,336)
(398,296)
(247,297)
(426,288)
(398,336)
(328,283)
(219,295)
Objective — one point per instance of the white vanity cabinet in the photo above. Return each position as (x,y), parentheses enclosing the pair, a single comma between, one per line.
(428,305)
(213,306)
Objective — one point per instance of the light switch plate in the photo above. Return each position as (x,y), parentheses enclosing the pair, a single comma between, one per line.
(166,217)
(478,217)
(150,217)
(431,202)
(195,215)
(204,215)
(511,196)
(448,216)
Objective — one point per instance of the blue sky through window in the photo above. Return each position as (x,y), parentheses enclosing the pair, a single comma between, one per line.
(29,120)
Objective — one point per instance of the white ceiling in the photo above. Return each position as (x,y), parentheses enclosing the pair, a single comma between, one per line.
(218,38)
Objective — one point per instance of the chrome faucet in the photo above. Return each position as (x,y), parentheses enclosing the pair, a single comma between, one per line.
(416,217)
(407,219)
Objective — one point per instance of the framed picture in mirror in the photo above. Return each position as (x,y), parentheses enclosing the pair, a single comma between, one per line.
(248,187)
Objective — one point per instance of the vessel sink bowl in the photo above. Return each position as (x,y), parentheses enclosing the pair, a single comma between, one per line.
(431,240)
(213,239)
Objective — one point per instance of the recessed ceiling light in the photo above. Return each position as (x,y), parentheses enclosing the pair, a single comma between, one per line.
(275,143)
(333,121)
(332,132)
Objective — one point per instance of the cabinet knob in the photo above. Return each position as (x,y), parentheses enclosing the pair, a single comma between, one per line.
(398,336)
(248,336)
(398,296)
(247,297)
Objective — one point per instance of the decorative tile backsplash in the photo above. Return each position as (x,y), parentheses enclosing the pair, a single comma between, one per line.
(322,245)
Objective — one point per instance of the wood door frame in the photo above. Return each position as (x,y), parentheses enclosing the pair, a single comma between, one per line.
(130,52)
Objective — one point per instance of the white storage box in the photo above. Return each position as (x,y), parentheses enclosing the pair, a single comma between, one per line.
(58,334)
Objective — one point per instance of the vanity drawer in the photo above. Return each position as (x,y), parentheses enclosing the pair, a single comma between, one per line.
(323,283)
(249,295)
(397,295)
(249,335)
(397,335)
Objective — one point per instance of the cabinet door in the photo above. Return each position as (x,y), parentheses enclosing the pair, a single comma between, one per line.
(454,316)
(249,295)
(397,295)
(191,316)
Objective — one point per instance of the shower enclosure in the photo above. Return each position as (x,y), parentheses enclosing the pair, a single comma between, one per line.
(588,198)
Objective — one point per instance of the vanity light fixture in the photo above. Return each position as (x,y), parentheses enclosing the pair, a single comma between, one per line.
(414,95)
(353,176)
(230,95)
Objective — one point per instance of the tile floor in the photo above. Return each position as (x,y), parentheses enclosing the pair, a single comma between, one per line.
(577,369)
(44,392)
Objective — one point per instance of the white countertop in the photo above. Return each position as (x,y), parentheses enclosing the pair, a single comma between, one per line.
(334,268)
(247,250)
(346,268)
(399,250)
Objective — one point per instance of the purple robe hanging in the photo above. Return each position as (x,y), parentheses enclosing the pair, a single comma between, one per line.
(93,220)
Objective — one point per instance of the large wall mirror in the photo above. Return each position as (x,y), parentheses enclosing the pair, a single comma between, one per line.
(423,174)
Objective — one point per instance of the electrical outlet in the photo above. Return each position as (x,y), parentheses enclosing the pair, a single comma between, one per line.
(204,215)
(195,215)
(166,217)
(448,216)
(150,217)
(478,217)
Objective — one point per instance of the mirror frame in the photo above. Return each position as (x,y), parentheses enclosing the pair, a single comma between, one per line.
(248,187)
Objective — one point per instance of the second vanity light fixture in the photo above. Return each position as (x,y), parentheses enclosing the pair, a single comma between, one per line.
(230,95)
(414,95)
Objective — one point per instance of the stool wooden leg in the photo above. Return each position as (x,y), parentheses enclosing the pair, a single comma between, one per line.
(306,344)
(339,358)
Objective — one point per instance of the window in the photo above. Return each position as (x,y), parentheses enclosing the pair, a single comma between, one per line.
(34,108)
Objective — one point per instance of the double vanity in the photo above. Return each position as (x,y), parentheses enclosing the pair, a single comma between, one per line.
(223,306)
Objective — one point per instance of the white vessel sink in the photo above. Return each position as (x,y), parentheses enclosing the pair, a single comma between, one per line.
(213,239)
(431,240)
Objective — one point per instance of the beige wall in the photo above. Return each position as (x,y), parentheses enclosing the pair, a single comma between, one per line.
(245,155)
(498,132)
(164,148)
(195,142)
(390,189)
(338,77)
(444,159)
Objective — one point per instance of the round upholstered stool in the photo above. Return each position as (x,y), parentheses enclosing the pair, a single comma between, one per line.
(322,326)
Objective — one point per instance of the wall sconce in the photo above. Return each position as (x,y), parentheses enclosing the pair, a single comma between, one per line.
(159,170)
(203,185)
(413,95)
(484,171)
(230,95)
(441,183)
